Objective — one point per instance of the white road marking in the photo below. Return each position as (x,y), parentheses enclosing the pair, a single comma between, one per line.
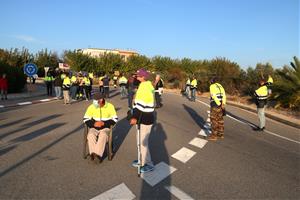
(44,100)
(184,154)
(208,120)
(24,103)
(119,192)
(1,106)
(198,142)
(160,172)
(203,133)
(177,192)
(266,131)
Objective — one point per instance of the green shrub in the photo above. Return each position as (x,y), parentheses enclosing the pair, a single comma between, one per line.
(15,76)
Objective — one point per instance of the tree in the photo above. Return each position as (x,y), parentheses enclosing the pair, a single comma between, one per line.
(286,89)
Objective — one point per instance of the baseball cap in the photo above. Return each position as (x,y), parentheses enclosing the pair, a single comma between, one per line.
(142,72)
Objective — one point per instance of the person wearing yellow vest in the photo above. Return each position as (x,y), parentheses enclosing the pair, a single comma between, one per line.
(188,88)
(261,95)
(122,83)
(74,86)
(217,109)
(193,89)
(86,83)
(143,117)
(49,82)
(269,84)
(66,87)
(99,117)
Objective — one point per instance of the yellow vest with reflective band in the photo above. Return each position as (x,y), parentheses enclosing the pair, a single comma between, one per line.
(123,80)
(144,99)
(188,82)
(48,78)
(270,80)
(67,81)
(73,79)
(217,93)
(194,83)
(105,113)
(87,81)
(91,75)
(262,92)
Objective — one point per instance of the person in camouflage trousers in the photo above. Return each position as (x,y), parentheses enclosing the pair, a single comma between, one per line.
(217,106)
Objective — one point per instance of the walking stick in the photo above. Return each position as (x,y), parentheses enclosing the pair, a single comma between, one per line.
(139,145)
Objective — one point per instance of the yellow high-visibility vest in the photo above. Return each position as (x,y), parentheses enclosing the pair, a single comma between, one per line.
(217,94)
(262,92)
(105,113)
(144,99)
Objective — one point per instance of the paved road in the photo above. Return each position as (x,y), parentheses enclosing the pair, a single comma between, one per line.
(41,155)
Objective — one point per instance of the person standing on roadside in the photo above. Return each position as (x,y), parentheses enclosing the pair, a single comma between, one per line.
(193,88)
(217,109)
(58,82)
(122,83)
(132,85)
(143,117)
(66,87)
(158,85)
(3,86)
(261,95)
(49,82)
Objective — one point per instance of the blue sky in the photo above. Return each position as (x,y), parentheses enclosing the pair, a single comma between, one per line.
(243,31)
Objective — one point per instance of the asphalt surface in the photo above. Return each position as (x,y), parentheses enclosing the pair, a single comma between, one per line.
(41,154)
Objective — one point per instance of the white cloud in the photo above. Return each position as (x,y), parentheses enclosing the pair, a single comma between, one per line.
(27,38)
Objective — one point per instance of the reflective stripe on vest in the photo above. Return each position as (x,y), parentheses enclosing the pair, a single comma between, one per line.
(105,113)
(144,100)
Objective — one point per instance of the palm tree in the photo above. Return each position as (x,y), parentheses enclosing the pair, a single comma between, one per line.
(286,90)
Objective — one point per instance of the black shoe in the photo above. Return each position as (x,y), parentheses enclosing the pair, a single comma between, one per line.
(98,159)
(259,129)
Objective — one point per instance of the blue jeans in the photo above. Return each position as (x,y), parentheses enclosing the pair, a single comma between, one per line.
(58,92)
(193,94)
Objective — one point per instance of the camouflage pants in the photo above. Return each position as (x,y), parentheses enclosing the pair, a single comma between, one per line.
(217,121)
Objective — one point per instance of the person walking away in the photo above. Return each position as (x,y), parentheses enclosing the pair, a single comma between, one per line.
(74,86)
(261,95)
(188,88)
(217,109)
(122,83)
(49,82)
(3,86)
(99,117)
(143,117)
(158,85)
(66,87)
(132,85)
(58,82)
(86,87)
(269,84)
(115,80)
(106,86)
(193,89)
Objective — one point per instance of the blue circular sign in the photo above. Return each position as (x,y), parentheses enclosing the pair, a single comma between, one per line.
(30,69)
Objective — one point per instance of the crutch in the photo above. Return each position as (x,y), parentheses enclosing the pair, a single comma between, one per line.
(139,149)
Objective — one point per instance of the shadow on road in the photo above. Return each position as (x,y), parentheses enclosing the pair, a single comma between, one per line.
(29,125)
(159,153)
(28,158)
(197,118)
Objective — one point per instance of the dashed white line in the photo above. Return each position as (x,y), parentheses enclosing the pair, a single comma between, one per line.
(177,192)
(44,100)
(198,142)
(184,154)
(119,192)
(160,172)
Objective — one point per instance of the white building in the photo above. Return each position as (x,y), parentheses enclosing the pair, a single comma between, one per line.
(95,52)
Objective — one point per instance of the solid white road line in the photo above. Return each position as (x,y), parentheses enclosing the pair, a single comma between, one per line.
(184,154)
(119,192)
(160,172)
(177,192)
(24,103)
(198,142)
(271,133)
(1,106)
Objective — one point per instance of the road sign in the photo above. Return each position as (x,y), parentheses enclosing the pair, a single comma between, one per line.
(30,69)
